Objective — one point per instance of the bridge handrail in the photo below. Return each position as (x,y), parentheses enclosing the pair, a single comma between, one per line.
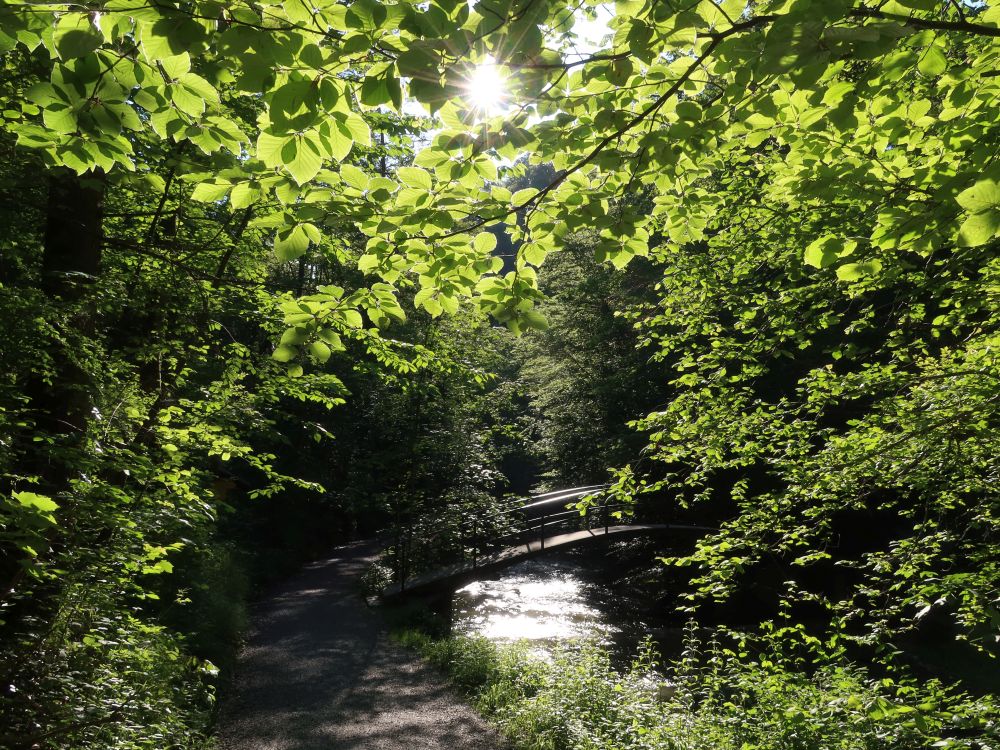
(560,499)
(482,540)
(540,503)
(569,491)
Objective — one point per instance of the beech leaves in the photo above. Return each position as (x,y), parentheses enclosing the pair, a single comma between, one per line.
(886,114)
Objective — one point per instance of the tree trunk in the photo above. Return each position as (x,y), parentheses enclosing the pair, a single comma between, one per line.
(73,234)
(71,262)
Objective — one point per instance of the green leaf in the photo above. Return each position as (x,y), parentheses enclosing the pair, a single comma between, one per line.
(380,89)
(381,188)
(285,353)
(207,192)
(849,34)
(332,339)
(354,177)
(76,35)
(533,253)
(418,62)
(291,243)
(485,242)
(826,250)
(199,87)
(620,258)
(153,182)
(688,110)
(45,93)
(338,138)
(40,503)
(487,169)
(244,194)
(523,196)
(359,130)
(186,100)
(415,177)
(534,319)
(269,148)
(295,105)
(933,62)
(302,158)
(60,119)
(320,351)
(160,567)
(856,271)
(979,228)
(298,12)
(351,318)
(924,5)
(412,197)
(365,15)
(294,336)
(427,298)
(175,66)
(982,196)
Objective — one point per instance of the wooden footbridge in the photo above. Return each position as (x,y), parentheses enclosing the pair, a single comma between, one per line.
(433,556)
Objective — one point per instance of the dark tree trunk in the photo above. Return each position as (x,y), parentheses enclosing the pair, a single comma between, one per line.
(73,234)
(71,262)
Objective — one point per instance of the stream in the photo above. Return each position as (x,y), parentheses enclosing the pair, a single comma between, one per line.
(549,601)
(552,600)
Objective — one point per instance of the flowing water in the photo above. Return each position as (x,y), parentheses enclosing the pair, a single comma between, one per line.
(546,601)
(551,600)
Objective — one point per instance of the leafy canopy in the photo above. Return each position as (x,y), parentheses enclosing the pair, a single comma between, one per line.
(884,106)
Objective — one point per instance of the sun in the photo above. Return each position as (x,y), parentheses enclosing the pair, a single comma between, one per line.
(485,88)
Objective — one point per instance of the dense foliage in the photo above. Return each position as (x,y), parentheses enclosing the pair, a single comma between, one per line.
(711,697)
(584,373)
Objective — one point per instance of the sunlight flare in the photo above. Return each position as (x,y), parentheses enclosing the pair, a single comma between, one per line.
(486,88)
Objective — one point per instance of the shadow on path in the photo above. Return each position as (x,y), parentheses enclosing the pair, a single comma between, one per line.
(320,673)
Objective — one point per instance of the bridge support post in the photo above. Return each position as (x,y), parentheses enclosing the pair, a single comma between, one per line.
(405,567)
(398,546)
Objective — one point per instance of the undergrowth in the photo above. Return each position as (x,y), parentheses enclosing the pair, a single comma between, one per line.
(712,698)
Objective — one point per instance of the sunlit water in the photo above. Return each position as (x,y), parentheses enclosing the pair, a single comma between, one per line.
(546,602)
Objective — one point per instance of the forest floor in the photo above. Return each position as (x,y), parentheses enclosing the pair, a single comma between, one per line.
(319,671)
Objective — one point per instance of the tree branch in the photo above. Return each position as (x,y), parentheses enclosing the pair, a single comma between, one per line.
(927,23)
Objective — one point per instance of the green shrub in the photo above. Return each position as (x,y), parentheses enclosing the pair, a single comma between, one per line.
(722,699)
(210,610)
(377,576)
(97,677)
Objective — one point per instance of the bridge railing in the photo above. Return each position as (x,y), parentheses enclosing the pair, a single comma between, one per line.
(468,538)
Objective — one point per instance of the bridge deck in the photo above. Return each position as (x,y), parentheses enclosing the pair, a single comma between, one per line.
(455,576)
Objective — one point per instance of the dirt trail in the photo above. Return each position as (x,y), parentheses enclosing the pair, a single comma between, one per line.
(320,673)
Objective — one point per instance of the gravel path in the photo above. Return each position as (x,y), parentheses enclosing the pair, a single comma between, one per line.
(320,673)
